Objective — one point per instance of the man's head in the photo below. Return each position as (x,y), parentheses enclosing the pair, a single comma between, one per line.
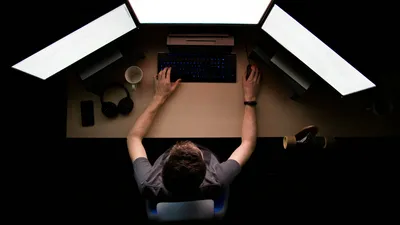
(184,170)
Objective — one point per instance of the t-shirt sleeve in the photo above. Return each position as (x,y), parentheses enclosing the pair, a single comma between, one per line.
(141,169)
(227,171)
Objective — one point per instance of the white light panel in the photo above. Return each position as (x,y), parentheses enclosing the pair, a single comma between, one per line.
(200,11)
(314,53)
(78,44)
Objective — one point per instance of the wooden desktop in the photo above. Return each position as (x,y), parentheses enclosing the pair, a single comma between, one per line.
(213,109)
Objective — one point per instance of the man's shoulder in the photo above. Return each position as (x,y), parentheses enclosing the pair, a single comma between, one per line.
(153,187)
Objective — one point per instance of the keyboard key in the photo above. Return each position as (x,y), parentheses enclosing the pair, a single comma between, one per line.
(200,68)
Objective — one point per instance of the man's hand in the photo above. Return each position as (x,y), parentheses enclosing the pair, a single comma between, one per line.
(164,87)
(251,86)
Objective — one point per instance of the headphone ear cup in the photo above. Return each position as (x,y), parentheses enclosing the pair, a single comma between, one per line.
(109,109)
(125,106)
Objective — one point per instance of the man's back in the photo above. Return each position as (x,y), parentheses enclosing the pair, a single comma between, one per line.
(218,177)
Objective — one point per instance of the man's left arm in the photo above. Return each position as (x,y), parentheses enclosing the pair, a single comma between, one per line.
(164,88)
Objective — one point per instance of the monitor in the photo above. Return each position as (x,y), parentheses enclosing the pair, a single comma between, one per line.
(199,12)
(314,53)
(78,44)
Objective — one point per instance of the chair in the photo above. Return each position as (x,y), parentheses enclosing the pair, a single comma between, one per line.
(207,209)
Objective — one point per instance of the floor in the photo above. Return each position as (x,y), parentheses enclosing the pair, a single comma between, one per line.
(346,182)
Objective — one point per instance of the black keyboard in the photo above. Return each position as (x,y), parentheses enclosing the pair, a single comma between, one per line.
(199,67)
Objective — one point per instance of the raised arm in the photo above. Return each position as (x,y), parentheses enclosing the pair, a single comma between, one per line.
(164,89)
(251,87)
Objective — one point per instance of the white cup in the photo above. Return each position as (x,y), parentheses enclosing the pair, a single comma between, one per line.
(133,75)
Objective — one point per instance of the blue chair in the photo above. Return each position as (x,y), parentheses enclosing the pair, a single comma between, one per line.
(207,209)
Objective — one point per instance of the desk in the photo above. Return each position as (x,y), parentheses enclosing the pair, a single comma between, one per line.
(213,109)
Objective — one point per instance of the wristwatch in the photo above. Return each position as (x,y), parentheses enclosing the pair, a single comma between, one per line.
(252,103)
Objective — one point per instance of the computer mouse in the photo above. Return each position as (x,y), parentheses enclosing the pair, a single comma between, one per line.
(248,71)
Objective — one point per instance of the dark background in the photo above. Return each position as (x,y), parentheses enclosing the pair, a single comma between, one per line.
(363,33)
(49,178)
(37,24)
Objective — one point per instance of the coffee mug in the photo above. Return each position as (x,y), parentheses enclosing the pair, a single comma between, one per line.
(133,75)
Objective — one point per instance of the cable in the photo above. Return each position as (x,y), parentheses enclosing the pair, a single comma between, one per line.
(247,53)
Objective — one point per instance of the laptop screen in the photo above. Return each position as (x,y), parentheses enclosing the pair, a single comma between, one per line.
(325,62)
(78,44)
(199,12)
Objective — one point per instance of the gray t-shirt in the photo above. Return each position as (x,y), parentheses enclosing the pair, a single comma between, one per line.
(218,176)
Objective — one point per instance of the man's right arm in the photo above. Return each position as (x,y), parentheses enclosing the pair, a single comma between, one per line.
(249,136)
(249,126)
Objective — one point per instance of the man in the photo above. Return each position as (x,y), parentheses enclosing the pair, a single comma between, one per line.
(188,171)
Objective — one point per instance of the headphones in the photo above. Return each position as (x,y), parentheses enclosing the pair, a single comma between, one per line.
(110,109)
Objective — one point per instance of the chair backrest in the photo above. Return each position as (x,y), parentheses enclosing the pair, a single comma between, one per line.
(190,210)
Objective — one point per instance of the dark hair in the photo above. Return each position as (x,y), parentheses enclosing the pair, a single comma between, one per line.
(184,170)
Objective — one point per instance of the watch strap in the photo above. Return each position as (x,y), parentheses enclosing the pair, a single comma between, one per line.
(250,103)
